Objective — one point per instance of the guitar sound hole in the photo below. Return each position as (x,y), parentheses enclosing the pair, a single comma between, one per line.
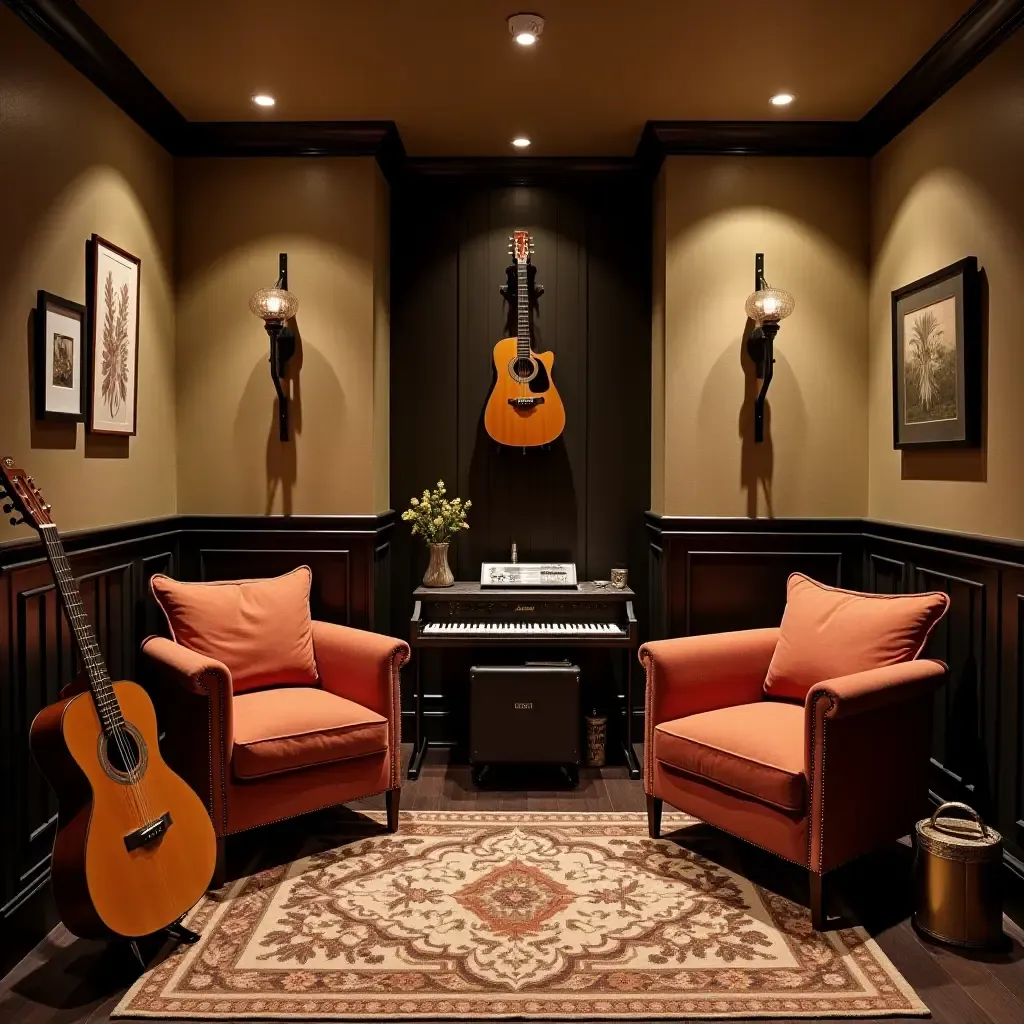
(123,752)
(523,369)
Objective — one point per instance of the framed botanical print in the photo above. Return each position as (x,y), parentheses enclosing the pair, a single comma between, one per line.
(936,359)
(59,359)
(113,280)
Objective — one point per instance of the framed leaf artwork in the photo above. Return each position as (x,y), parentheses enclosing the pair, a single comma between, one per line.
(113,282)
(59,358)
(936,359)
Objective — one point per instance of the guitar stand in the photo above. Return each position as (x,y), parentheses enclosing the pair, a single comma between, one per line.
(176,931)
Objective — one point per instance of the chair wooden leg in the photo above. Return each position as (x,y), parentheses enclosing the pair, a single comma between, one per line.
(220,868)
(654,805)
(818,913)
(391,799)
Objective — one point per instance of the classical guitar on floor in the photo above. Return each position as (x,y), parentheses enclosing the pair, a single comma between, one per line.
(524,409)
(134,848)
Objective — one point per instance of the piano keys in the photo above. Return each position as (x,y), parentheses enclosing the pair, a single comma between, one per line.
(468,615)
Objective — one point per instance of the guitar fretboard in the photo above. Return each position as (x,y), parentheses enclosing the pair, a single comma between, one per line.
(523,303)
(107,708)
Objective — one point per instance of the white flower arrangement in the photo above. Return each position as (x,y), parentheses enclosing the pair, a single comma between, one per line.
(434,517)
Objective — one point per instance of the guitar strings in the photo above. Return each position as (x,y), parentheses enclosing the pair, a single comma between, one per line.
(76,613)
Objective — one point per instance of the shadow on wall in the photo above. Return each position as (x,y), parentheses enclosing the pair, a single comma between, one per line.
(282,456)
(757,459)
(969,465)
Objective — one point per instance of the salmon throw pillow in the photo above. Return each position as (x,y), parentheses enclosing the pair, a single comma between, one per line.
(261,629)
(827,632)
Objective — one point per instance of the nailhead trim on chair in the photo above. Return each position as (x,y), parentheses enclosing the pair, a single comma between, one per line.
(810,809)
(645,659)
(396,709)
(223,738)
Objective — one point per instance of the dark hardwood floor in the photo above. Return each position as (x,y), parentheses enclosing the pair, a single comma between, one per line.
(69,981)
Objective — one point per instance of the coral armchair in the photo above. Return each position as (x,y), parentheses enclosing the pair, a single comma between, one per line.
(258,752)
(818,772)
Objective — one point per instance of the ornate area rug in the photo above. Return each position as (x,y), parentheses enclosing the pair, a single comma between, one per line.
(483,916)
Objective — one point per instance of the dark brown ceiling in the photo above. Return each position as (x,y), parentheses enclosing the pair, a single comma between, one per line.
(450,77)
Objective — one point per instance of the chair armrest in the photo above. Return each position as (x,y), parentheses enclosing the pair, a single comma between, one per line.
(691,674)
(194,702)
(867,739)
(875,688)
(361,666)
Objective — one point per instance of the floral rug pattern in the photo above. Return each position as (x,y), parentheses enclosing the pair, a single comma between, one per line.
(484,916)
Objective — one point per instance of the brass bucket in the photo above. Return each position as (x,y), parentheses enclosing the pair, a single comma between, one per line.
(958,878)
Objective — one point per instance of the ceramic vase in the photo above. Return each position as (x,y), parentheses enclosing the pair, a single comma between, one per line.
(439,573)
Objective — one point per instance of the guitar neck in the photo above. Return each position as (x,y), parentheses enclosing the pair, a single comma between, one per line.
(523,304)
(103,695)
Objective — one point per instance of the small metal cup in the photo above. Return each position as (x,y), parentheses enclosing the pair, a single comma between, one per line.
(619,578)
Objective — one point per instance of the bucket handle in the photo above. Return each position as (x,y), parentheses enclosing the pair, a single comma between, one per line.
(960,807)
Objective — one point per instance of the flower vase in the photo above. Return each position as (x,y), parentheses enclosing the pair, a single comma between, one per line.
(439,573)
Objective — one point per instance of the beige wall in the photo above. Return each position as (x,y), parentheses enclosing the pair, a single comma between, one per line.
(810,219)
(951,186)
(233,217)
(72,164)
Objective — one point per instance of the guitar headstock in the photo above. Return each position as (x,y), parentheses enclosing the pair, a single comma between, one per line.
(22,495)
(520,246)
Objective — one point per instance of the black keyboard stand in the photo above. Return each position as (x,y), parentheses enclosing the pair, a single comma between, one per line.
(499,605)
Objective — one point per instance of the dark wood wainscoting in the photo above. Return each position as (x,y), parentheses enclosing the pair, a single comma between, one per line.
(710,575)
(349,556)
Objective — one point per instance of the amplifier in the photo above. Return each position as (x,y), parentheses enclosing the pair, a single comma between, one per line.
(524,714)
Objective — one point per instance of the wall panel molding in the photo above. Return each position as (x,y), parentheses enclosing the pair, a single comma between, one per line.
(978,736)
(349,557)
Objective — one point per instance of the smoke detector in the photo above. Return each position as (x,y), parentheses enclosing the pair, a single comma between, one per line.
(526,29)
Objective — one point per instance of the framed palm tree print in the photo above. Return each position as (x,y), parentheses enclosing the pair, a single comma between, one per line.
(936,359)
(113,282)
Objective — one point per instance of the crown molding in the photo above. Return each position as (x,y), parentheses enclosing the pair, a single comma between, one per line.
(84,45)
(70,31)
(523,170)
(985,26)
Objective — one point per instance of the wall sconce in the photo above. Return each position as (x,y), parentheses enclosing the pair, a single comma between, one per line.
(276,306)
(766,307)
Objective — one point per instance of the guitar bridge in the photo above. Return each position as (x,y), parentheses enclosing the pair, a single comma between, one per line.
(526,403)
(148,833)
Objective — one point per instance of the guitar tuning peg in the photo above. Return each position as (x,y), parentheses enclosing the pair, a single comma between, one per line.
(8,508)
(47,508)
(16,522)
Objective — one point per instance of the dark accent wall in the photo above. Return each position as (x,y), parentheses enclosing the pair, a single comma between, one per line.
(581,499)
(711,575)
(349,557)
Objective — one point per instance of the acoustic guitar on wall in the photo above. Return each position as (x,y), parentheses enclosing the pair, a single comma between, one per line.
(134,848)
(524,408)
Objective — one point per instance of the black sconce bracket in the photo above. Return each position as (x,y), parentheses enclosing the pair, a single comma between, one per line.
(282,348)
(761,349)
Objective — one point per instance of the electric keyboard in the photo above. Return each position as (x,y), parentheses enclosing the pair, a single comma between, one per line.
(467,615)
(471,616)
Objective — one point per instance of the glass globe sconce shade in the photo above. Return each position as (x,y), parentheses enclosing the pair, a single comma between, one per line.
(767,307)
(275,307)
(274,304)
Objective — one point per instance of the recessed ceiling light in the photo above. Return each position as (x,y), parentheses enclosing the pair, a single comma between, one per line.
(520,142)
(526,28)
(782,99)
(261,99)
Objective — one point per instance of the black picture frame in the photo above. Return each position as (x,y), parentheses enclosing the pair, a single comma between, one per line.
(44,370)
(936,389)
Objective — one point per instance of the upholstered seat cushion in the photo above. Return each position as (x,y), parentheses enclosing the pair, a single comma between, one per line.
(754,749)
(296,727)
